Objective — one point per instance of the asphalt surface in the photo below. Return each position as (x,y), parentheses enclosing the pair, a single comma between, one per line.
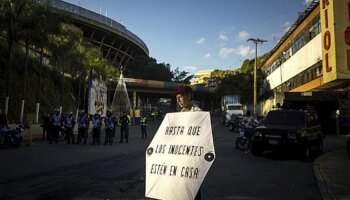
(332,171)
(61,171)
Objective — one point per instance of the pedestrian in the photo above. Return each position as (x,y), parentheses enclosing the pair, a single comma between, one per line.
(124,127)
(46,126)
(3,125)
(69,126)
(110,128)
(184,97)
(144,127)
(96,129)
(82,127)
(56,126)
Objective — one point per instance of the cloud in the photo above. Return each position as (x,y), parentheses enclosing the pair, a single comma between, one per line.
(207,55)
(243,50)
(200,40)
(243,35)
(223,36)
(225,52)
(190,68)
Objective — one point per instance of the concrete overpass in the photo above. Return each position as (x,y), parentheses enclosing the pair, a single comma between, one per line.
(142,91)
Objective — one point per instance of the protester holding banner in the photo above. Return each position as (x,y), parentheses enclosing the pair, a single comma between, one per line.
(184,97)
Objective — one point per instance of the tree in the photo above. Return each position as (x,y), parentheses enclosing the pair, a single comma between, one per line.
(144,67)
(241,84)
(181,76)
(12,13)
(48,23)
(28,27)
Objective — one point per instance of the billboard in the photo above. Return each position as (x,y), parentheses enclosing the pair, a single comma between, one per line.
(335,29)
(97,96)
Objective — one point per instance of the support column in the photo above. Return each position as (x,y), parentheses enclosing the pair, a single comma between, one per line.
(134,99)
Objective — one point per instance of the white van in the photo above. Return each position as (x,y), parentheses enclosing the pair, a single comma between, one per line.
(229,109)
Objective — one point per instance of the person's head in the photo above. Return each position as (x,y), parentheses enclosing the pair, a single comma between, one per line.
(96,115)
(81,113)
(70,114)
(248,113)
(109,112)
(184,96)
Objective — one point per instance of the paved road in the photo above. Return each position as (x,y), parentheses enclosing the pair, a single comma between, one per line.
(60,171)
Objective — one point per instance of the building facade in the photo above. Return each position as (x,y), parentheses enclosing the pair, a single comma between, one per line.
(311,60)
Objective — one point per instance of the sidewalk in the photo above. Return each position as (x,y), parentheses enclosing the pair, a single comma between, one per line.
(332,172)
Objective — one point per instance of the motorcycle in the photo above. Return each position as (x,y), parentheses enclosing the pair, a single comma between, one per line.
(13,137)
(243,141)
(62,134)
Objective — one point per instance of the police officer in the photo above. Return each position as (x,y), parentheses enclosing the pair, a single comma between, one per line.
(56,126)
(110,128)
(96,129)
(69,125)
(46,126)
(124,127)
(82,127)
(144,127)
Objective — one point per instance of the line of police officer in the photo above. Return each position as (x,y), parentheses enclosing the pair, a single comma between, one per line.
(55,123)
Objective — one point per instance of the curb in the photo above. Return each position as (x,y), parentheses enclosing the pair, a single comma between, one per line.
(323,181)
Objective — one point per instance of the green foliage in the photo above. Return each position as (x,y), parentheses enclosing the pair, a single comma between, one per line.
(45,31)
(144,67)
(50,88)
(241,82)
(221,73)
(181,76)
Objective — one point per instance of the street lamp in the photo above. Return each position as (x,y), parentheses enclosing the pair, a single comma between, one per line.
(256,41)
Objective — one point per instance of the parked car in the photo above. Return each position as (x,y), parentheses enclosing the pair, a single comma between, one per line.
(290,129)
(234,121)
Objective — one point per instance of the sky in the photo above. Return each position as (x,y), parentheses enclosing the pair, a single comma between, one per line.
(198,35)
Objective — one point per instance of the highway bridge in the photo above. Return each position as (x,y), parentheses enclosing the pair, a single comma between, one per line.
(142,92)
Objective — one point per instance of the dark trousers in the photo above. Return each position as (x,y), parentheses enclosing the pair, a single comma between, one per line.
(54,134)
(82,134)
(70,135)
(96,135)
(109,136)
(45,130)
(124,133)
(143,131)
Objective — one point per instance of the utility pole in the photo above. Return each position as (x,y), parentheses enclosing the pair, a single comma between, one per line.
(256,41)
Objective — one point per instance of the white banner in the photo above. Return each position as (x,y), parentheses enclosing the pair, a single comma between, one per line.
(98,97)
(179,156)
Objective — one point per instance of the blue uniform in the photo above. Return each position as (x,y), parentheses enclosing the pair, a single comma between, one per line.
(110,128)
